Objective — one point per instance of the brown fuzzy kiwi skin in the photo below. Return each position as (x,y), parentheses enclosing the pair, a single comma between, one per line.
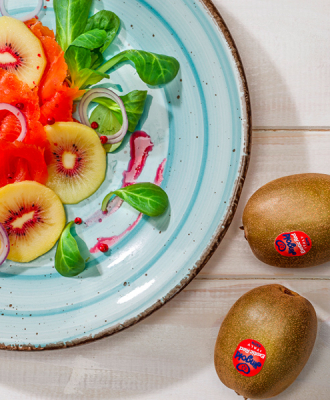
(292,203)
(284,322)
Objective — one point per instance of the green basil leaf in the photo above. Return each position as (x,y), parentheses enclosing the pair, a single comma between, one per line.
(68,260)
(91,40)
(147,198)
(71,20)
(106,20)
(153,69)
(134,103)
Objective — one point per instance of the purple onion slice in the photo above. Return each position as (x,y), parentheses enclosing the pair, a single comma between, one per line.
(102,92)
(18,113)
(32,14)
(4,244)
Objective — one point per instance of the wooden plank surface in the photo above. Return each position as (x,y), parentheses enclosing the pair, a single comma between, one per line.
(275,153)
(285,47)
(167,356)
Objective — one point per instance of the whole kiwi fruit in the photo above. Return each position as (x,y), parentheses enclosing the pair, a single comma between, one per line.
(287,221)
(265,341)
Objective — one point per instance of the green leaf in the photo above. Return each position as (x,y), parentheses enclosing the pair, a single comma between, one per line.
(91,40)
(71,20)
(108,125)
(107,21)
(80,62)
(107,120)
(87,77)
(110,37)
(109,117)
(134,103)
(68,260)
(97,59)
(153,69)
(110,148)
(77,59)
(147,198)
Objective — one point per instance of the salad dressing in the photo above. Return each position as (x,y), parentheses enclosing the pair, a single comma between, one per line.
(141,145)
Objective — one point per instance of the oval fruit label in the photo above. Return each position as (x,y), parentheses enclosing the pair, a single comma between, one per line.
(293,244)
(249,357)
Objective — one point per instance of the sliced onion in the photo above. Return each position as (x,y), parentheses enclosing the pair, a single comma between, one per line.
(18,113)
(32,14)
(4,244)
(102,92)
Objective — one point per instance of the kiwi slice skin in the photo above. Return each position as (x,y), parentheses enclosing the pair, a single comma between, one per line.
(34,218)
(77,164)
(292,203)
(284,322)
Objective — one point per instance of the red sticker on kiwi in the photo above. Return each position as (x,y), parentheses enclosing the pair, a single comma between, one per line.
(249,357)
(293,244)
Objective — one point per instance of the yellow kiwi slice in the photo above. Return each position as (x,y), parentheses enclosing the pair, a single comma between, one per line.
(21,52)
(34,218)
(78,161)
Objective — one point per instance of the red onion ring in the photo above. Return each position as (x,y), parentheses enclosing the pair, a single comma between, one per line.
(93,94)
(4,244)
(18,113)
(32,14)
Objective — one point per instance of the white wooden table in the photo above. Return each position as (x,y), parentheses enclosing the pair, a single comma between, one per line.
(285,48)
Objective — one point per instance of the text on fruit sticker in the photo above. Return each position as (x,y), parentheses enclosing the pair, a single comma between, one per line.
(293,244)
(249,357)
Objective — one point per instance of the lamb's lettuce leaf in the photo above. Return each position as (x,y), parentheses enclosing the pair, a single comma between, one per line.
(87,77)
(147,198)
(134,103)
(68,260)
(91,40)
(94,35)
(108,22)
(153,69)
(71,19)
(109,118)
(80,61)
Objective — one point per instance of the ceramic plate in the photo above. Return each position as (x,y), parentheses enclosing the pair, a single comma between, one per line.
(199,127)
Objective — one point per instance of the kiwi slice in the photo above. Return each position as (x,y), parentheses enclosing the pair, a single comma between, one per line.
(34,218)
(21,52)
(77,164)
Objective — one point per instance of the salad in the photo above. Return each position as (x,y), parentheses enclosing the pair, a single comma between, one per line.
(47,157)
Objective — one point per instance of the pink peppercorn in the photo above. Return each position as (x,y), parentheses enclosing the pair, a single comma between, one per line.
(103,247)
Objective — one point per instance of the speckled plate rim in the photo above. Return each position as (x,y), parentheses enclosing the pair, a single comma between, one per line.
(222,227)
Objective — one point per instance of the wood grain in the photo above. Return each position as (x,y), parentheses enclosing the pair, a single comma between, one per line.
(167,356)
(285,47)
(275,153)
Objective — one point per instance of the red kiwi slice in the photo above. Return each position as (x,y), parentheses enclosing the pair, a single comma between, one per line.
(34,218)
(78,161)
(21,52)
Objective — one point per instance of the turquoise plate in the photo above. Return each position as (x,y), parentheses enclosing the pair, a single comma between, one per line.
(200,127)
